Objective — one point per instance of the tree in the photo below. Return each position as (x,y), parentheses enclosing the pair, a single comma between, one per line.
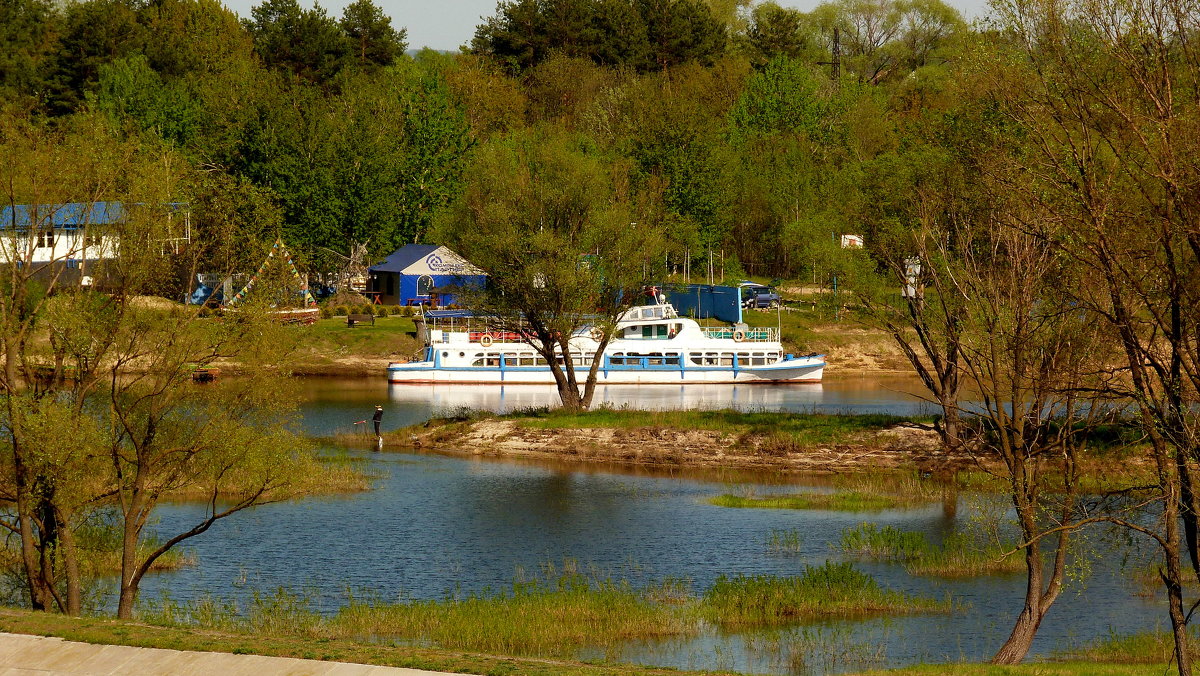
(98,409)
(1105,93)
(29,28)
(305,42)
(552,227)
(373,41)
(680,31)
(777,31)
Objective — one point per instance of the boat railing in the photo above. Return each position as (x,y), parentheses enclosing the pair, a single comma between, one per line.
(752,335)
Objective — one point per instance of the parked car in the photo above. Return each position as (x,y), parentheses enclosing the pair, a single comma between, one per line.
(759,296)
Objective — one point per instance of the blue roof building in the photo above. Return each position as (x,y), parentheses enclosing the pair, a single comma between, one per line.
(422,274)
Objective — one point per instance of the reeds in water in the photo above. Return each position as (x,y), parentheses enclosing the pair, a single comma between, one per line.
(784,541)
(959,555)
(549,618)
(830,590)
(840,501)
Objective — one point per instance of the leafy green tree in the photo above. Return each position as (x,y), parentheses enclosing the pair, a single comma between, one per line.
(373,41)
(129,90)
(555,233)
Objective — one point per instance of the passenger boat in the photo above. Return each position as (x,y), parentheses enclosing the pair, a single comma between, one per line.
(652,344)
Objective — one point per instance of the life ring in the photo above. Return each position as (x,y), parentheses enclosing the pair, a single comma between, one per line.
(597,335)
(486,340)
(738,336)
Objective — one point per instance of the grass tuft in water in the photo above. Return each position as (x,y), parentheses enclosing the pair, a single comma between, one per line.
(784,541)
(833,589)
(841,501)
(959,555)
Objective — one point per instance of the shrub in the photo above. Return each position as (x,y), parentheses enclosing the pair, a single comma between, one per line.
(379,310)
(406,311)
(326,312)
(340,311)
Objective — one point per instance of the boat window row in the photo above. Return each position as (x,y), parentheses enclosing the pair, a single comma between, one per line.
(726,358)
(696,358)
(494,359)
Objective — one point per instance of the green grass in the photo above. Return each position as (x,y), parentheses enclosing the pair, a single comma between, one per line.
(840,501)
(830,590)
(959,555)
(331,338)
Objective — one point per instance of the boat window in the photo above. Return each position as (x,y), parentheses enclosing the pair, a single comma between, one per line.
(478,361)
(510,360)
(648,331)
(526,359)
(445,354)
(726,359)
(671,360)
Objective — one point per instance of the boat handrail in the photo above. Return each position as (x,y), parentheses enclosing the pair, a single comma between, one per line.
(758,334)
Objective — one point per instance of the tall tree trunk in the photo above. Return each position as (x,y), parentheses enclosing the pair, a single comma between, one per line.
(1026,626)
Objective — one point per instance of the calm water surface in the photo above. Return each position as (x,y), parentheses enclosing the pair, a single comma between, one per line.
(436,523)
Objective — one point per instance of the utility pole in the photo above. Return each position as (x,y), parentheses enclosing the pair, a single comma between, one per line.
(835,65)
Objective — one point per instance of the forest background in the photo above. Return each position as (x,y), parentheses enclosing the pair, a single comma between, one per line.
(721,126)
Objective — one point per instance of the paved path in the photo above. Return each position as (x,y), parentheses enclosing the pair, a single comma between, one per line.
(22,655)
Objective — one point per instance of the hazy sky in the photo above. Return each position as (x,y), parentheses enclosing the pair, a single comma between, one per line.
(449,24)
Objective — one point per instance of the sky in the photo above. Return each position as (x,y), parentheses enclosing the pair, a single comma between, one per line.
(450,24)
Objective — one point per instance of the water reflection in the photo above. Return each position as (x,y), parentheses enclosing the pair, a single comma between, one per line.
(333,405)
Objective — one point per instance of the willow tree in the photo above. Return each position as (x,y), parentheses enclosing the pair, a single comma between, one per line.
(555,229)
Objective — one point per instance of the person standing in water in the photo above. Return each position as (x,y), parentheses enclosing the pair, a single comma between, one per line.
(378,418)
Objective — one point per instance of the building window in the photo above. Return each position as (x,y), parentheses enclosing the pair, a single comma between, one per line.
(424,285)
(45,239)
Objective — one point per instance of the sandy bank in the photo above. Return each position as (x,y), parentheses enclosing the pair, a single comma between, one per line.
(900,446)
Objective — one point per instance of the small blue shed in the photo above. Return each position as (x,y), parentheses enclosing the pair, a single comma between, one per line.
(422,274)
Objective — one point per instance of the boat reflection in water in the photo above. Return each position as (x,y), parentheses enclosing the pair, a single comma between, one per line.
(832,396)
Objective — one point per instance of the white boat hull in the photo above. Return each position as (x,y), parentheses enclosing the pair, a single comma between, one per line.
(803,370)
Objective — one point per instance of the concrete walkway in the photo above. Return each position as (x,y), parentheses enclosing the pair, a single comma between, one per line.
(22,655)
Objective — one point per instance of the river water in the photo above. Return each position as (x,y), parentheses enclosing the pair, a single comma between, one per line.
(436,523)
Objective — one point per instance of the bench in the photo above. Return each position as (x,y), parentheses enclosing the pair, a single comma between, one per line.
(351,320)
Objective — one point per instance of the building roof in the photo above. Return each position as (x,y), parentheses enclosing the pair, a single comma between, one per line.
(403,257)
(69,216)
(425,259)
